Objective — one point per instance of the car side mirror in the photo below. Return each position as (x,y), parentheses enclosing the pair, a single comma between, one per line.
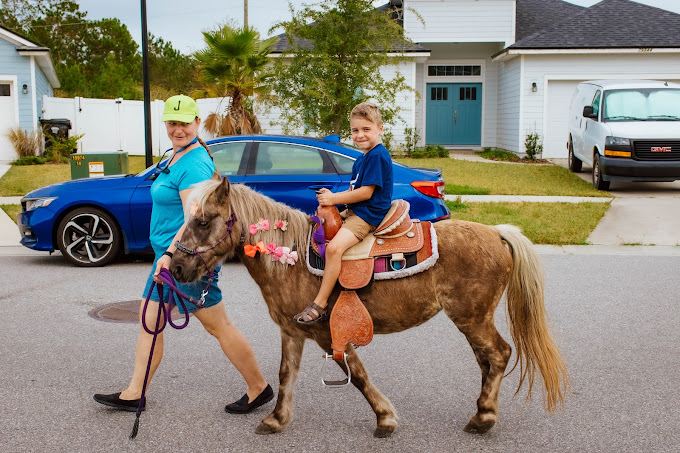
(588,112)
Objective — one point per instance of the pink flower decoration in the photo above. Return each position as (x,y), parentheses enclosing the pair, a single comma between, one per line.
(281,225)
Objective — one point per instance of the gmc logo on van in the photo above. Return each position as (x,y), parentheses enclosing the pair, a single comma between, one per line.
(660,149)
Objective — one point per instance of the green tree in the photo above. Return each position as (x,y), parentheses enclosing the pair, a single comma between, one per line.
(171,72)
(234,65)
(336,51)
(88,55)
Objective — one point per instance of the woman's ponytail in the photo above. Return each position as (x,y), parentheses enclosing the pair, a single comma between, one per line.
(204,146)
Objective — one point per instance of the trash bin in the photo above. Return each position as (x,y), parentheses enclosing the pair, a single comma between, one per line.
(87,165)
(55,128)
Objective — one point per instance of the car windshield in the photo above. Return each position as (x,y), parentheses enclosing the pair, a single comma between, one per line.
(648,104)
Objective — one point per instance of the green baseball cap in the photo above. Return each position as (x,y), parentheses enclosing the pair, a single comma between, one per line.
(180,108)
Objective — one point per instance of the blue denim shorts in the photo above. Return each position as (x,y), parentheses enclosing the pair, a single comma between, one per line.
(192,290)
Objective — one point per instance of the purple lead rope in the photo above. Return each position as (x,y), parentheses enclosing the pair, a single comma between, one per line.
(166,277)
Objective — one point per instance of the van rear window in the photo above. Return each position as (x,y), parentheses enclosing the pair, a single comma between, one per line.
(644,104)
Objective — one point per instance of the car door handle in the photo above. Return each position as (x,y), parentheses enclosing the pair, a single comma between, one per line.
(320,186)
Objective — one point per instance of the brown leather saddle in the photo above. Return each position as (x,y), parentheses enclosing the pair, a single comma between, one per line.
(397,242)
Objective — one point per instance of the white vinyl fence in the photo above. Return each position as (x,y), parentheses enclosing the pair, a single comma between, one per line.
(118,125)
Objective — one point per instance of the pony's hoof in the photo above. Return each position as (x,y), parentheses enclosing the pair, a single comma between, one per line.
(266,429)
(383,431)
(474,428)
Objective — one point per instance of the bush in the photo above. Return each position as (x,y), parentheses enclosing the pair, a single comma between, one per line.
(62,148)
(387,139)
(429,151)
(25,143)
(533,145)
(30,160)
(412,137)
(498,154)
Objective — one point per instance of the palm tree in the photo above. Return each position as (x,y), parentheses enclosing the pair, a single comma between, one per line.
(234,66)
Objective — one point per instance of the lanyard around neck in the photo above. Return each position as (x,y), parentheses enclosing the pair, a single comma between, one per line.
(166,169)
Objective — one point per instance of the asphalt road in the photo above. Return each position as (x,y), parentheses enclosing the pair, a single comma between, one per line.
(615,318)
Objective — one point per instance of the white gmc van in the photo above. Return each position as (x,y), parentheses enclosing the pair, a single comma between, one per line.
(627,130)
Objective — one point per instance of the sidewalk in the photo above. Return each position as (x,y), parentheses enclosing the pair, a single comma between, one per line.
(9,232)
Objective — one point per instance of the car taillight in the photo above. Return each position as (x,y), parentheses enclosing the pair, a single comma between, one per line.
(434,189)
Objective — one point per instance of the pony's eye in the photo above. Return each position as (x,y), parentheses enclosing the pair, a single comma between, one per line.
(203,223)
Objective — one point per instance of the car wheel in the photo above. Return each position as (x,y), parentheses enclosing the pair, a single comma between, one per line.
(598,182)
(574,162)
(88,237)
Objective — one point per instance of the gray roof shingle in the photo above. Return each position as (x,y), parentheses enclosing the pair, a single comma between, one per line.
(608,24)
(535,15)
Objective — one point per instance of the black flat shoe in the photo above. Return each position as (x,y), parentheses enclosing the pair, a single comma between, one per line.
(243,407)
(114,400)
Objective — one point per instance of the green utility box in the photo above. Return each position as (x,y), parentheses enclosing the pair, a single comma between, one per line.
(87,165)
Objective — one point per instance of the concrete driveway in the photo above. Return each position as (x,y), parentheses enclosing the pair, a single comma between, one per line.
(643,213)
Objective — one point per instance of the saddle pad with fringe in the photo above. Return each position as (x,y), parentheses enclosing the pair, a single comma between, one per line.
(416,260)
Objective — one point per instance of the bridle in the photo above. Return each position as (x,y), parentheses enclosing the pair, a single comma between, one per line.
(199,252)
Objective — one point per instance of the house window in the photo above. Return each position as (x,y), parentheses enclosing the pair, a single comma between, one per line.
(4,89)
(454,70)
(468,93)
(439,94)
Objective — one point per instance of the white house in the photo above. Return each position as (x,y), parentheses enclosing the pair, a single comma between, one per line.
(26,75)
(488,72)
(524,59)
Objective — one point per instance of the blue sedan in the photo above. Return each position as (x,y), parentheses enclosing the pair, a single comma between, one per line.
(90,220)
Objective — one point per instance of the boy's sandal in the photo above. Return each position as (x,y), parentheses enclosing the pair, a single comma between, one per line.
(311,314)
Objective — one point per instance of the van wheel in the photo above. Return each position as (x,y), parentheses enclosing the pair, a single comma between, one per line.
(575,163)
(598,182)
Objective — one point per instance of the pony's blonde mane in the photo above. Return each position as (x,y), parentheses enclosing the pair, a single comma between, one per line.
(251,207)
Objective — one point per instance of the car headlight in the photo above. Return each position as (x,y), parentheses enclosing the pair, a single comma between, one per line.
(36,203)
(617,141)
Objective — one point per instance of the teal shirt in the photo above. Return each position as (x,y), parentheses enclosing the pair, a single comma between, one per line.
(167,214)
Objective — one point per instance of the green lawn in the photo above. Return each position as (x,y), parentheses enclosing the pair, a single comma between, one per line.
(21,179)
(542,223)
(12,210)
(480,178)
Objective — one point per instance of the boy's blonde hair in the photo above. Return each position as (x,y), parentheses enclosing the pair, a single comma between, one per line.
(367,111)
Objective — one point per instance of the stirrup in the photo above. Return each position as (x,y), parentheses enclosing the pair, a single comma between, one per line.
(335,383)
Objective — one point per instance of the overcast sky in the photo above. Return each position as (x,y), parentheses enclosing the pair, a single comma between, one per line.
(181,21)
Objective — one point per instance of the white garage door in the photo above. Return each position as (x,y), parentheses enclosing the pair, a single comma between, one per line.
(8,120)
(559,94)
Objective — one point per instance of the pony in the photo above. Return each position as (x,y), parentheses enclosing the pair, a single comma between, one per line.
(477,264)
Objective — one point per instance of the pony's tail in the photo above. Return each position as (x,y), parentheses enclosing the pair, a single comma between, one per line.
(528,320)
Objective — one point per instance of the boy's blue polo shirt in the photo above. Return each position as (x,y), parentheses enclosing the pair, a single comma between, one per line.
(373,168)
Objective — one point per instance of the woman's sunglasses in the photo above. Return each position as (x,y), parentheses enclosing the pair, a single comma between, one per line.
(165,169)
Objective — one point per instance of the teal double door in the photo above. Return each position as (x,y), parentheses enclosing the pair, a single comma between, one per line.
(453,114)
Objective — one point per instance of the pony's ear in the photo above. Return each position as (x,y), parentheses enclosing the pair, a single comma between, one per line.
(216,176)
(222,191)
